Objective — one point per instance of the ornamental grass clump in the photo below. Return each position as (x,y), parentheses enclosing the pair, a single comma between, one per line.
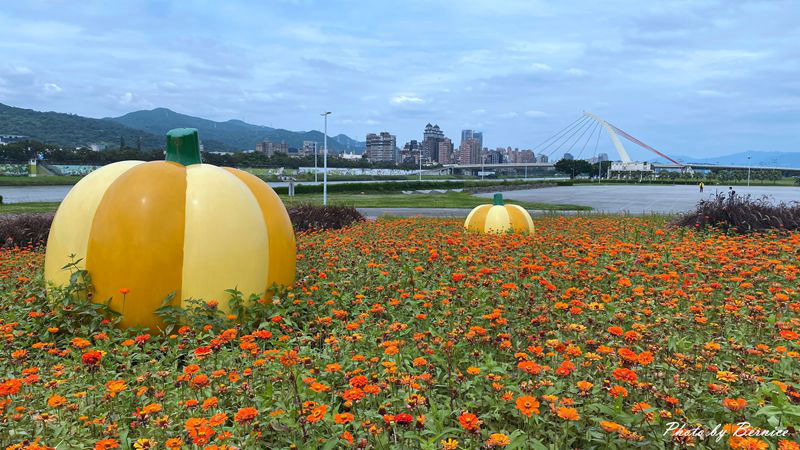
(742,214)
(315,218)
(19,230)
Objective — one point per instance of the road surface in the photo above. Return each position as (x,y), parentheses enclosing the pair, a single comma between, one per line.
(633,199)
(20,194)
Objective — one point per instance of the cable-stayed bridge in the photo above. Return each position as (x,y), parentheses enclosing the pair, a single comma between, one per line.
(574,138)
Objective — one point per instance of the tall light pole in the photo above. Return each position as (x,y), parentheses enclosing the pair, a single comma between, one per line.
(480,152)
(420,163)
(748,171)
(325,162)
(315,162)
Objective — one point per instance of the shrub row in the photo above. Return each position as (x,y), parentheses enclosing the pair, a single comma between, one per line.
(32,229)
(397,186)
(742,214)
(650,181)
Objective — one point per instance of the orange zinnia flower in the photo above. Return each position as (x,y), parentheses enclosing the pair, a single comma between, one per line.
(114,387)
(568,413)
(56,400)
(498,440)
(343,418)
(317,414)
(245,415)
(527,405)
(734,404)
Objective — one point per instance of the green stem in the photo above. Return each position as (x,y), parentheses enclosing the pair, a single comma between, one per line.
(498,199)
(183,146)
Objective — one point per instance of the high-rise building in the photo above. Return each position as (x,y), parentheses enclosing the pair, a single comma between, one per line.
(469,152)
(478,135)
(526,156)
(310,148)
(542,158)
(431,137)
(568,156)
(466,134)
(410,152)
(270,148)
(494,157)
(381,147)
(445,151)
(602,156)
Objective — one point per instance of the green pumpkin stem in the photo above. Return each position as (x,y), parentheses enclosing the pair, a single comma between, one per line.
(498,200)
(183,146)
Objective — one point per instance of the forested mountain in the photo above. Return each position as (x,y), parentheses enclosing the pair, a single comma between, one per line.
(148,129)
(236,134)
(69,130)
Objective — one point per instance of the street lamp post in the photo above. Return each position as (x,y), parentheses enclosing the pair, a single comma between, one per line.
(420,163)
(325,161)
(315,162)
(748,171)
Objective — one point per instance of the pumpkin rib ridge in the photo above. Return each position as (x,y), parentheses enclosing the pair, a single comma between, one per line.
(477,217)
(224,227)
(136,241)
(498,220)
(280,233)
(70,230)
(520,219)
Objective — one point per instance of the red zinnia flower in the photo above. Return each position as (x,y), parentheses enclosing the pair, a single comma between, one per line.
(469,421)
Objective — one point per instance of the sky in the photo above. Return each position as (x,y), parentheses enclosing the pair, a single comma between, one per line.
(698,78)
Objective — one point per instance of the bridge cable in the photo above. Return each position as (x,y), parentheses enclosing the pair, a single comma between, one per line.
(564,136)
(588,138)
(569,150)
(597,141)
(584,125)
(558,133)
(642,144)
(564,130)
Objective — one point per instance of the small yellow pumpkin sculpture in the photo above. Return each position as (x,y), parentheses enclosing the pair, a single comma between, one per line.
(146,229)
(499,218)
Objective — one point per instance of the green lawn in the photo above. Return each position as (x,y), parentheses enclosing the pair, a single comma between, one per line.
(39,181)
(447,200)
(33,207)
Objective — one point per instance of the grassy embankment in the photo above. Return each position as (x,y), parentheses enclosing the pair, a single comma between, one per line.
(367,200)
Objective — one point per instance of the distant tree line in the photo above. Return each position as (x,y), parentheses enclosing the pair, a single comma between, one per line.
(21,152)
(578,167)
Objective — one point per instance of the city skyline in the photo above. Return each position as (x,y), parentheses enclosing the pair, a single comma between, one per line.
(704,78)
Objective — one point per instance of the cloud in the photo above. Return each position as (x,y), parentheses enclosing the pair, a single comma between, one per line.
(126,98)
(51,88)
(576,72)
(535,113)
(406,99)
(713,93)
(662,72)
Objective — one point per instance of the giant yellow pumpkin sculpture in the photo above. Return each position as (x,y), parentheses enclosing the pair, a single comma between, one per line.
(152,228)
(499,218)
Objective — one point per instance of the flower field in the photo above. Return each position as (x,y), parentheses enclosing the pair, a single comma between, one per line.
(595,333)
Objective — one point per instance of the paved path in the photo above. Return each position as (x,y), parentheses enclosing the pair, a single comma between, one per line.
(642,199)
